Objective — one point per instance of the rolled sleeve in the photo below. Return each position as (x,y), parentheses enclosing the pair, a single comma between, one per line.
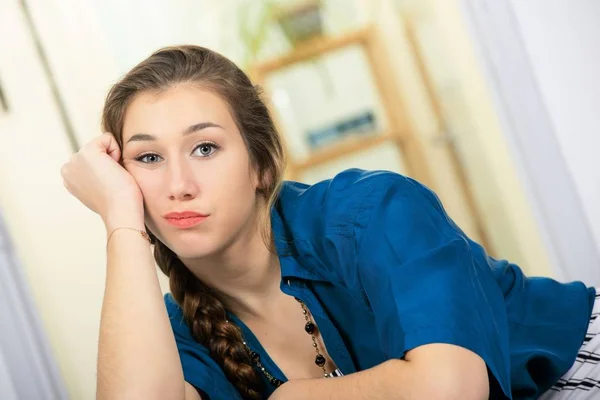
(424,282)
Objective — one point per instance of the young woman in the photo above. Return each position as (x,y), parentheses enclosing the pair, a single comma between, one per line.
(275,285)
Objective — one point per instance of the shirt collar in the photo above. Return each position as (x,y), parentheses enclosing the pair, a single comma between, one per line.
(286,247)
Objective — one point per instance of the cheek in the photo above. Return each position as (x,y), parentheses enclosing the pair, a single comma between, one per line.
(232,175)
(239,186)
(234,194)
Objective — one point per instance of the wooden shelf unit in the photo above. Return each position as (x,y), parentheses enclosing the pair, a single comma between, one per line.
(344,147)
(399,130)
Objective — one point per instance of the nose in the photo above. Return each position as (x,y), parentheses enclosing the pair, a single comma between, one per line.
(182,183)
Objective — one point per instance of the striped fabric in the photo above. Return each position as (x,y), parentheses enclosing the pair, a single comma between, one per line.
(335,373)
(582,381)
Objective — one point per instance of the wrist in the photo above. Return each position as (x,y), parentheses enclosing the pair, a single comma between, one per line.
(141,232)
(124,217)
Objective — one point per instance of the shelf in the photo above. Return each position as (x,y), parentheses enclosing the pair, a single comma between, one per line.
(310,49)
(343,148)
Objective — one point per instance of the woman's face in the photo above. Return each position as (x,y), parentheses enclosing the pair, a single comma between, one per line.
(188,157)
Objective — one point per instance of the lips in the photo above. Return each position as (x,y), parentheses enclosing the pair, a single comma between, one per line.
(184,214)
(184,219)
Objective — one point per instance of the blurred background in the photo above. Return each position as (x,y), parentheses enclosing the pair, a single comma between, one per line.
(492,104)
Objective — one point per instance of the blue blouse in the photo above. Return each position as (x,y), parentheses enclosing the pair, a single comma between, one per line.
(383,270)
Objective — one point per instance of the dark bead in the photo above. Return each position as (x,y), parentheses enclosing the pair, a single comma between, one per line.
(276,382)
(254,356)
(320,360)
(309,328)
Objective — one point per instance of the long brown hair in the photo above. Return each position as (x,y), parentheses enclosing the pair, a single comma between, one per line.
(203,312)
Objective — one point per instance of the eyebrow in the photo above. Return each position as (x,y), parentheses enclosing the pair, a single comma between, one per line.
(140,137)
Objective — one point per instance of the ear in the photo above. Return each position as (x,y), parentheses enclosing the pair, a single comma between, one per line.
(263,181)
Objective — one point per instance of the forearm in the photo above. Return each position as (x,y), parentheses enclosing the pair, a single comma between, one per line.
(137,355)
(391,380)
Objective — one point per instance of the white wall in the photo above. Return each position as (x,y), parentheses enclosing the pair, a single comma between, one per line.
(563,43)
(58,241)
(542,58)
(7,388)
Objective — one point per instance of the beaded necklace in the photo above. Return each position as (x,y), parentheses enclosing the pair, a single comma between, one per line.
(320,360)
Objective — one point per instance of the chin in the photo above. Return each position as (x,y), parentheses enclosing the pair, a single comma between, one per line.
(192,253)
(193,246)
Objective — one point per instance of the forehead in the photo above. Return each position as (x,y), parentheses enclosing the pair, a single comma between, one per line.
(173,110)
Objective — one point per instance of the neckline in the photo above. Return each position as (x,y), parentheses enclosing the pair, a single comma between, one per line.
(329,334)
(256,346)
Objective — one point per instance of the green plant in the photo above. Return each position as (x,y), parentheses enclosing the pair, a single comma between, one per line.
(254,31)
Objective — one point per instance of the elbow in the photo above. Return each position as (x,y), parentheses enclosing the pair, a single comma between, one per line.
(446,382)
(447,372)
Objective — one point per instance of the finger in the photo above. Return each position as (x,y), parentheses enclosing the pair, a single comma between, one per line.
(111,146)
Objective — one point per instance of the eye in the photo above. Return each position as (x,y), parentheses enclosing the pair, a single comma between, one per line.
(149,158)
(206,149)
